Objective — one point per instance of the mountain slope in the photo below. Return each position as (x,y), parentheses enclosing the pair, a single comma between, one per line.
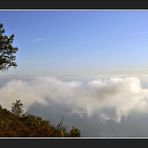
(28,125)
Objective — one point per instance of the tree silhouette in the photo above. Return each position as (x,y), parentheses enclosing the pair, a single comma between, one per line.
(16,108)
(7,51)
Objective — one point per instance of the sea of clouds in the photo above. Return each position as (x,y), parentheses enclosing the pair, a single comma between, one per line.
(115,106)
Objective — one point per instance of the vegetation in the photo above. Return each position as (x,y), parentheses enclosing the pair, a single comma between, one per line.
(74,132)
(7,51)
(17,124)
(17,108)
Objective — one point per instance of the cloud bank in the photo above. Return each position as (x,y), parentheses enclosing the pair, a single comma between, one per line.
(107,99)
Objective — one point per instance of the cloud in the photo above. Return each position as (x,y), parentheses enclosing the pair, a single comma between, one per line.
(38,39)
(108,99)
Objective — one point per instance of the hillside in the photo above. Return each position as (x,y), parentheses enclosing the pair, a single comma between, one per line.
(27,125)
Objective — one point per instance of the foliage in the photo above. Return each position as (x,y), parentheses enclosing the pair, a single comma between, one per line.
(16,108)
(74,132)
(7,51)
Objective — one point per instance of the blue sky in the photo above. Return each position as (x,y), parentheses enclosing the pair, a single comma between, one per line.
(78,42)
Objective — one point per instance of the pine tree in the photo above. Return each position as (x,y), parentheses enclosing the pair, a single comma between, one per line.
(17,108)
(7,51)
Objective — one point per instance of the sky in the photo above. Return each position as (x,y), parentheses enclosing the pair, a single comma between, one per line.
(78,42)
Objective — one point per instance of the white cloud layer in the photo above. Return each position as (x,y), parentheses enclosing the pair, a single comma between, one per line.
(109,99)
